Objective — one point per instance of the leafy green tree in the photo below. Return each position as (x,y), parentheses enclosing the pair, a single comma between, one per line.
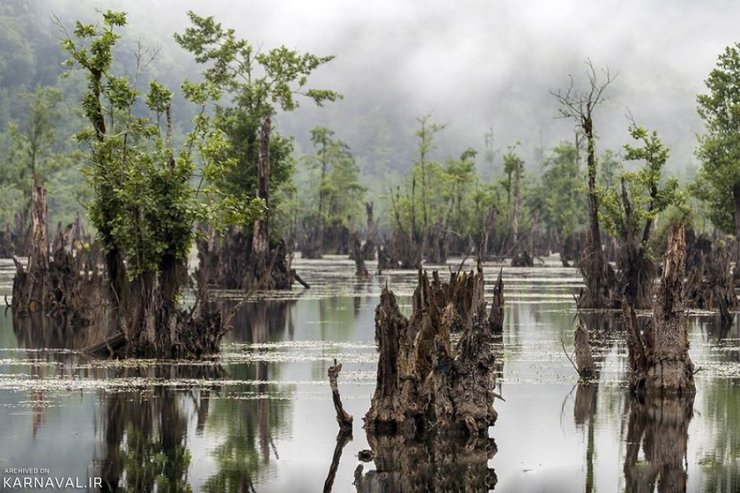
(143,206)
(340,194)
(514,169)
(630,211)
(561,189)
(258,84)
(719,148)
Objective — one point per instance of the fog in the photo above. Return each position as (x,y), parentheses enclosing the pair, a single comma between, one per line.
(474,65)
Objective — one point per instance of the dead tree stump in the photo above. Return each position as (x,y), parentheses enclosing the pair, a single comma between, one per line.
(423,382)
(658,357)
(584,357)
(496,318)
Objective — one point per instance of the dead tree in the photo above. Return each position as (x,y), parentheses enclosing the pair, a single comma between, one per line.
(496,318)
(659,360)
(360,269)
(584,357)
(580,104)
(343,418)
(423,382)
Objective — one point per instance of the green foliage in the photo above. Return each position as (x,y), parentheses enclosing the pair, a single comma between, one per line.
(646,198)
(561,191)
(143,204)
(719,148)
(259,84)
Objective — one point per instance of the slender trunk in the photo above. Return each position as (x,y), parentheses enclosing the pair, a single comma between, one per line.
(261,235)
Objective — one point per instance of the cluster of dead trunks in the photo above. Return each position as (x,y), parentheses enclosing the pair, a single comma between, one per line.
(433,403)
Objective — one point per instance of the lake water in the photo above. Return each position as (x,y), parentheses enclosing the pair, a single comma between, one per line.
(260,418)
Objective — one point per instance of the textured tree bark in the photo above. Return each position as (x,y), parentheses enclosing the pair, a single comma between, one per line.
(660,366)
(584,357)
(423,382)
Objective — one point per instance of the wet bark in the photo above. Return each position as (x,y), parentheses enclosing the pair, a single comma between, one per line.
(423,382)
(660,366)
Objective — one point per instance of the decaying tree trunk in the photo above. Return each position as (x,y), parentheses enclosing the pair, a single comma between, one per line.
(658,357)
(522,259)
(131,318)
(424,383)
(496,318)
(584,358)
(710,284)
(360,269)
(371,234)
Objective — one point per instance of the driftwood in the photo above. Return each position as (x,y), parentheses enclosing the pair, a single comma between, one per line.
(659,360)
(424,383)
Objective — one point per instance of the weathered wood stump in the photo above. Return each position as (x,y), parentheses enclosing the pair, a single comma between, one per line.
(659,360)
(584,357)
(496,318)
(423,382)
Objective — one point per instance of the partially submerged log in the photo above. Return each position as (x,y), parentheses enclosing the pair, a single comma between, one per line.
(659,360)
(423,382)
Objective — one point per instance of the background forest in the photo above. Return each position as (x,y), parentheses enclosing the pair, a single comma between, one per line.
(454,136)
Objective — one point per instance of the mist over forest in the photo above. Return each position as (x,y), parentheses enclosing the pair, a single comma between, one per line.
(475,65)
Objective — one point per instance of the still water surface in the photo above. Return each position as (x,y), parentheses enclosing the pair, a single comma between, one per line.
(260,418)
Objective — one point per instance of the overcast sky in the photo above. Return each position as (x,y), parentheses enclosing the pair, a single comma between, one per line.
(478,64)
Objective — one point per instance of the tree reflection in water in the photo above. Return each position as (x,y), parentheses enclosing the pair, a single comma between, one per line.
(144,433)
(438,464)
(249,422)
(659,430)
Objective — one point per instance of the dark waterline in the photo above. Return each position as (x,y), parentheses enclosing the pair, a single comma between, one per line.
(263,415)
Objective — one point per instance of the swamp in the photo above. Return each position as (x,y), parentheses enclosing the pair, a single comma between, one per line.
(286,247)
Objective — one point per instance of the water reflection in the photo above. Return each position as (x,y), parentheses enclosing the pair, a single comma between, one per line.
(657,441)
(145,442)
(437,464)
